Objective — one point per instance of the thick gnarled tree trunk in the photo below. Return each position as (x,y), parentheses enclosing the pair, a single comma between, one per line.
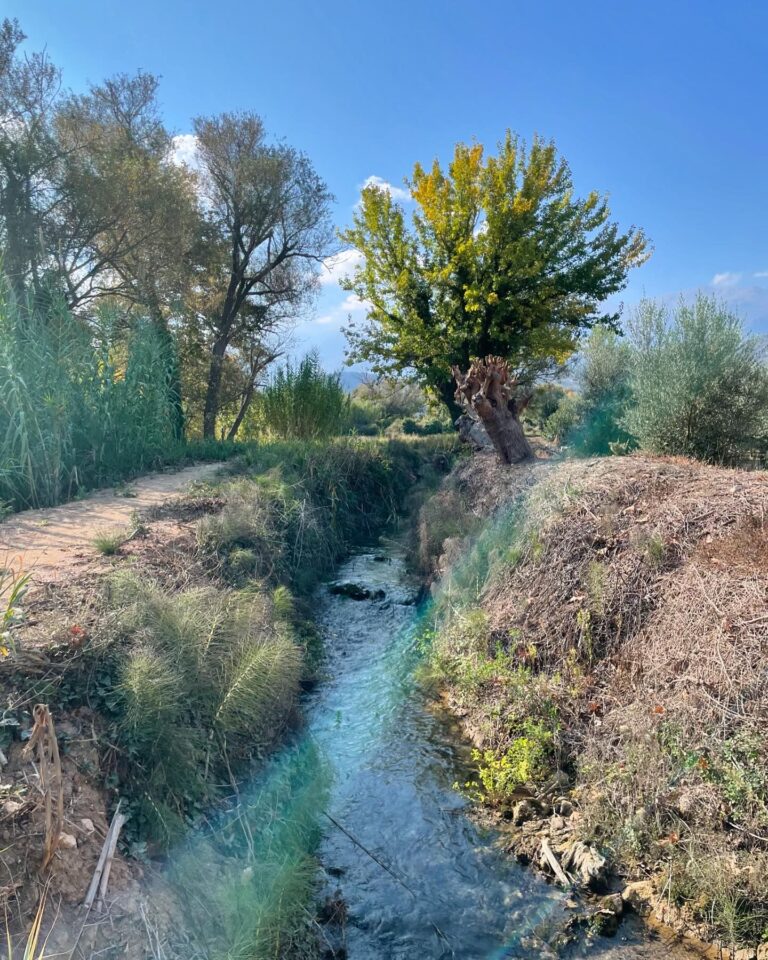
(488,390)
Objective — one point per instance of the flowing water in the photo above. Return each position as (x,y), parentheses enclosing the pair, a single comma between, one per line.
(419,880)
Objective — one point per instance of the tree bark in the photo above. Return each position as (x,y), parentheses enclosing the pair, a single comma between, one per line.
(213,392)
(246,402)
(489,390)
(448,396)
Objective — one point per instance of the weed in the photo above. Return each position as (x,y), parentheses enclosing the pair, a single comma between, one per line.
(596,586)
(108,542)
(655,551)
(525,761)
(33,948)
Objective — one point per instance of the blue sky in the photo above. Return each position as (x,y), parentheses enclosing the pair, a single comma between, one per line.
(661,104)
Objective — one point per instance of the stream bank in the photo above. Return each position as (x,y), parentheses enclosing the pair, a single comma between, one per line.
(602,623)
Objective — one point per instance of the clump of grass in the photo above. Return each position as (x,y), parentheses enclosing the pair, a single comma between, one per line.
(108,542)
(204,677)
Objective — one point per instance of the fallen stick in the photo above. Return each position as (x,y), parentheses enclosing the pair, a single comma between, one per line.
(96,879)
(118,823)
(553,862)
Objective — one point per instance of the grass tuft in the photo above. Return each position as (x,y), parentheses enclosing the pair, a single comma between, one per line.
(108,542)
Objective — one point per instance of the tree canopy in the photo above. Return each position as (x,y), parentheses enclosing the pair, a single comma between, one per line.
(96,208)
(500,257)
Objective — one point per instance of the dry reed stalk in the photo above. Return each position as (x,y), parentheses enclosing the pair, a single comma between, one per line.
(43,740)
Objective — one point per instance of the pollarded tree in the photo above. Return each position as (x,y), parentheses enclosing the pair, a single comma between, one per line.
(500,260)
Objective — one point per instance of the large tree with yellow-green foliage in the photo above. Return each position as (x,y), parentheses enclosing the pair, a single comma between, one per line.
(499,258)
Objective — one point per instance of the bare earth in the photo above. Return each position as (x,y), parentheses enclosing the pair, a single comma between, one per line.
(51,543)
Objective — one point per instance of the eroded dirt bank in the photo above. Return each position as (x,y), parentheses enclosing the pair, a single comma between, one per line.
(601,629)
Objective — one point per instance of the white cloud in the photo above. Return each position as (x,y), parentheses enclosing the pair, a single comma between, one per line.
(725,279)
(349,306)
(761,274)
(184,151)
(397,193)
(339,265)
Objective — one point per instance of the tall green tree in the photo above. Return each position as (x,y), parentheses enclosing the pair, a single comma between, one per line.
(499,258)
(268,227)
(29,157)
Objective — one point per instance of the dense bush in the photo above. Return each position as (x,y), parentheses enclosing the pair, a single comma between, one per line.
(591,422)
(561,424)
(301,505)
(699,382)
(302,402)
(393,407)
(545,401)
(78,411)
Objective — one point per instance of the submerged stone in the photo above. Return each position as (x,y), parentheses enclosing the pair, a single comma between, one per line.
(356,591)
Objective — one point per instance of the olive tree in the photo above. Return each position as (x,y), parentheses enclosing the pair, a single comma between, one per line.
(698,381)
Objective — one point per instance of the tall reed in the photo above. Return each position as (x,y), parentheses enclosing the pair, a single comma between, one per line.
(80,404)
(302,402)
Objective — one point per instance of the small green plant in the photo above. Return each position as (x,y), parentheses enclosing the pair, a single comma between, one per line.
(242,563)
(596,586)
(655,550)
(14,584)
(525,761)
(586,639)
(108,542)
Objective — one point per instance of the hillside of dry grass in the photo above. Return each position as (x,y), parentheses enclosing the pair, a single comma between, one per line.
(603,624)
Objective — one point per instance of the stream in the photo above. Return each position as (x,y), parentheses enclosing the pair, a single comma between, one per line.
(417,878)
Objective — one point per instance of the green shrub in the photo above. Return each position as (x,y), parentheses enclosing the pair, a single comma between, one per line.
(378,403)
(546,399)
(591,424)
(698,381)
(560,425)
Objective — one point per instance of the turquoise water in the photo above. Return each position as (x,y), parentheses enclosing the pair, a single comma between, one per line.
(418,879)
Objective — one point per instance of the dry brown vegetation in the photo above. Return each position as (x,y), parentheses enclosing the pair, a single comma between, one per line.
(621,605)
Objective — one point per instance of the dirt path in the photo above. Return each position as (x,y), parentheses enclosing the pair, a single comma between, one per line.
(49,543)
